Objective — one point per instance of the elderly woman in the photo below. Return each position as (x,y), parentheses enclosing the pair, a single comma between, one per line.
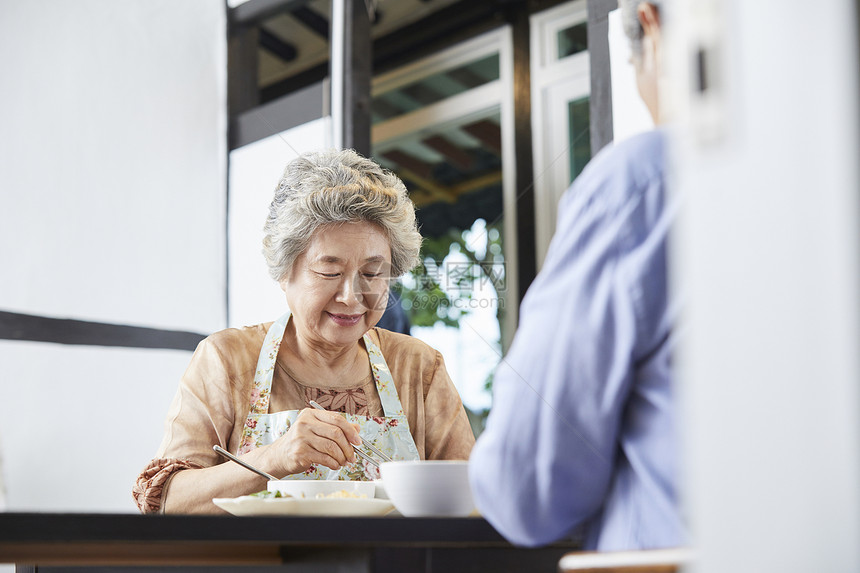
(338,228)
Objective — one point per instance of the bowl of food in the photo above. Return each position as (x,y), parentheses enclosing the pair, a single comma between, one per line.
(319,489)
(429,488)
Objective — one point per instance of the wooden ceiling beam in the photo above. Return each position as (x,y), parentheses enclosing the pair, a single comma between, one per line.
(456,155)
(277,47)
(487,133)
(421,198)
(428,192)
(410,162)
(435,189)
(478,183)
(313,21)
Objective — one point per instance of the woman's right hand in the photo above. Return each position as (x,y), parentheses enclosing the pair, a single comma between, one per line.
(316,437)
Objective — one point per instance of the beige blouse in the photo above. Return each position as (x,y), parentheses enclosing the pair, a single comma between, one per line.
(212,403)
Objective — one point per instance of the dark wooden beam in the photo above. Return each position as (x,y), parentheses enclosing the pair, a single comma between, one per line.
(313,21)
(428,186)
(410,162)
(488,132)
(541,5)
(443,28)
(600,100)
(446,27)
(526,246)
(454,154)
(284,51)
(299,81)
(478,183)
(17,326)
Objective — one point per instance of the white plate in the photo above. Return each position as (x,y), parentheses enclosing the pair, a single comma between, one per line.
(339,507)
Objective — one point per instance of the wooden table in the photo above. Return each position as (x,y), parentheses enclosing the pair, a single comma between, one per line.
(47,542)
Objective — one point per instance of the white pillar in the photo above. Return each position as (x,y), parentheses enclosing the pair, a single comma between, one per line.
(767,256)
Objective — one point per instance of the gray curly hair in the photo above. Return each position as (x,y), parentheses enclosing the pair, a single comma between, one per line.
(333,187)
(630,19)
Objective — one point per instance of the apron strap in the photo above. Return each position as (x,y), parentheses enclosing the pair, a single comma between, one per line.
(391,405)
(266,366)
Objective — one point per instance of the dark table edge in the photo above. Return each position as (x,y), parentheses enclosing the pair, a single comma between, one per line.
(72,527)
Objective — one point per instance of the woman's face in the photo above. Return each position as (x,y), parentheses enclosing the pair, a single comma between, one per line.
(338,289)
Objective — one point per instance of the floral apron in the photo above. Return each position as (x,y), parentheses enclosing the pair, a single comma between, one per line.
(390,433)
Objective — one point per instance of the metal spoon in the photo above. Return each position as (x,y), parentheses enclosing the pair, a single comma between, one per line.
(243,463)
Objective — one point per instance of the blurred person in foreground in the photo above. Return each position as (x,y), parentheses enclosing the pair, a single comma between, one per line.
(339,227)
(582,432)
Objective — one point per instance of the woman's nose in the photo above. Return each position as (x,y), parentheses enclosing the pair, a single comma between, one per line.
(350,290)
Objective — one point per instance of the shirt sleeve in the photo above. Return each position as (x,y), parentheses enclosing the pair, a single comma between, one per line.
(149,488)
(449,435)
(544,462)
(200,416)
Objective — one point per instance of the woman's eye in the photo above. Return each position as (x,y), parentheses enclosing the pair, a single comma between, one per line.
(372,275)
(329,275)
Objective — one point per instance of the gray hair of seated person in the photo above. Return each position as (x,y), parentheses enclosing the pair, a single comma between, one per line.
(334,187)
(630,19)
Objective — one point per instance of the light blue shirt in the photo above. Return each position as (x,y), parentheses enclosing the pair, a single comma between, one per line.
(583,425)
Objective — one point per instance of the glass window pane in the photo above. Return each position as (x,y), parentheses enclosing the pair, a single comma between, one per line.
(579,133)
(454,177)
(573,40)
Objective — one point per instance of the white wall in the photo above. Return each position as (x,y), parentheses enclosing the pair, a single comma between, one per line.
(80,422)
(111,161)
(112,209)
(768,256)
(255,170)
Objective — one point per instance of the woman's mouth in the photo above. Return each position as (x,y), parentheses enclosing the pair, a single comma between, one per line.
(345,319)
